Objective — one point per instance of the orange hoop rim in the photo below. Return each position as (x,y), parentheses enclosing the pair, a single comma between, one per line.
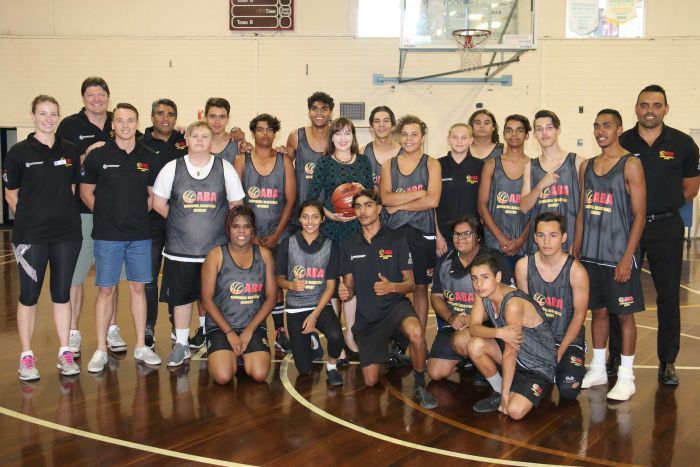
(470,38)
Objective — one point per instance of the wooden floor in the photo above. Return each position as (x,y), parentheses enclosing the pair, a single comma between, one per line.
(134,414)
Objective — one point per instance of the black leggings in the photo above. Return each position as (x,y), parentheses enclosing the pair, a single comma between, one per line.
(327,323)
(32,261)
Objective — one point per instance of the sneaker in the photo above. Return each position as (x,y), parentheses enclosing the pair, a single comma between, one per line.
(197,341)
(343,363)
(425,397)
(74,341)
(594,376)
(398,359)
(150,339)
(115,341)
(334,378)
(316,349)
(67,364)
(282,340)
(490,404)
(612,364)
(173,337)
(146,355)
(465,364)
(480,381)
(179,354)
(98,361)
(624,387)
(27,368)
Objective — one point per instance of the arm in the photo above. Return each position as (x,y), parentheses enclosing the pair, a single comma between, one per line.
(210,270)
(160,205)
(389,198)
(384,287)
(513,315)
(239,165)
(482,203)
(270,299)
(521,274)
(87,194)
(431,199)
(440,241)
(457,321)
(528,195)
(346,287)
(690,187)
(578,233)
(12,196)
(476,326)
(579,290)
(292,143)
(290,196)
(637,189)
(149,202)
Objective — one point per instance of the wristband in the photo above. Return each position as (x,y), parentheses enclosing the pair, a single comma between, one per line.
(230,330)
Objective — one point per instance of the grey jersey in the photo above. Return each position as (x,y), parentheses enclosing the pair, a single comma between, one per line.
(304,166)
(538,351)
(376,166)
(239,292)
(229,153)
(607,215)
(504,206)
(265,195)
(423,221)
(457,287)
(561,197)
(556,299)
(495,152)
(197,212)
(312,269)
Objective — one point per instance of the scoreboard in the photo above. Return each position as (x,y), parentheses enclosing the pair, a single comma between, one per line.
(251,15)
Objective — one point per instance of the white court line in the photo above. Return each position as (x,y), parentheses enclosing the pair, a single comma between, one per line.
(696,292)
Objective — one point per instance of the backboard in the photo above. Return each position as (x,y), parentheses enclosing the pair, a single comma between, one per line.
(428,24)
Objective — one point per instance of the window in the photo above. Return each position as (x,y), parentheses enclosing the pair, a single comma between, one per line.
(379,18)
(604,18)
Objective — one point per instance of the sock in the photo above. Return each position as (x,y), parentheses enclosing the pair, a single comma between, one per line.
(278,315)
(599,356)
(112,327)
(61,350)
(330,366)
(182,336)
(496,382)
(626,361)
(419,378)
(24,354)
(201,321)
(74,331)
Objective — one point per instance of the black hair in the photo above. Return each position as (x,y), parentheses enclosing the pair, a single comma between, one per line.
(94,81)
(272,122)
(126,105)
(243,211)
(548,114)
(382,108)
(313,202)
(550,216)
(473,222)
(411,120)
(320,96)
(615,114)
(519,118)
(486,260)
(654,88)
(371,194)
(217,102)
(167,102)
(495,137)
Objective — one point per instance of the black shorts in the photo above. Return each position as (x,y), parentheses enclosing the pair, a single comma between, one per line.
(529,384)
(373,343)
(217,340)
(182,282)
(605,292)
(442,345)
(422,253)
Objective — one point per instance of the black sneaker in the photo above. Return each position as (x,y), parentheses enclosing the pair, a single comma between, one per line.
(282,340)
(612,365)
(490,404)
(480,381)
(316,349)
(425,397)
(197,341)
(398,359)
(334,378)
(465,364)
(351,354)
(343,363)
(150,339)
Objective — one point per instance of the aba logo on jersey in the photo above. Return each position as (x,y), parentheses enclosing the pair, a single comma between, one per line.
(576,361)
(539,298)
(597,197)
(536,390)
(299,272)
(266,193)
(409,189)
(309,168)
(458,297)
(142,167)
(555,190)
(180,145)
(625,301)
(65,161)
(189,197)
(238,288)
(503,198)
(472,179)
(667,155)
(386,254)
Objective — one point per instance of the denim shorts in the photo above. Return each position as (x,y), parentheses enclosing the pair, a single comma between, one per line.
(110,255)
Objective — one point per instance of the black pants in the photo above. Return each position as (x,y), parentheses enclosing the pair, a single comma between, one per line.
(32,261)
(327,323)
(157,243)
(662,243)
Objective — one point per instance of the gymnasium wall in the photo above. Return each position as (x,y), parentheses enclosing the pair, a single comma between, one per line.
(183,50)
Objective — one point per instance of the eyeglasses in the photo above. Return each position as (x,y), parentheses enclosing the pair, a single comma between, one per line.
(466,235)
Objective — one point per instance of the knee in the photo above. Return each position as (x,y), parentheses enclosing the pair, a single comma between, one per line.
(569,390)
(436,372)
(29,298)
(475,347)
(414,334)
(137,288)
(517,411)
(371,380)
(258,374)
(460,344)
(303,367)
(222,377)
(106,292)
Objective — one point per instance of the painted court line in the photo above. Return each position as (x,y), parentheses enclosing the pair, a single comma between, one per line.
(115,441)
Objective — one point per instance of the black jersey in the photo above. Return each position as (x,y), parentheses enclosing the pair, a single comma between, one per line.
(538,351)
(460,190)
(265,194)
(561,197)
(304,166)
(607,215)
(504,206)
(556,299)
(423,221)
(197,212)
(239,292)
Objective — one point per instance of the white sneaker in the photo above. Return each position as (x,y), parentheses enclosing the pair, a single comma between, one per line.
(67,364)
(180,353)
(594,376)
(624,388)
(27,368)
(74,341)
(146,355)
(98,361)
(115,341)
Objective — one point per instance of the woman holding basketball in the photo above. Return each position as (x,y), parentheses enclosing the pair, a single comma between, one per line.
(339,176)
(307,265)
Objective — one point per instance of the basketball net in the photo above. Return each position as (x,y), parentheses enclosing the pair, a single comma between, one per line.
(470,43)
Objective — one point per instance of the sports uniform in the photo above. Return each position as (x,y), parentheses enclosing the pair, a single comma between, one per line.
(460,190)
(265,195)
(304,167)
(504,206)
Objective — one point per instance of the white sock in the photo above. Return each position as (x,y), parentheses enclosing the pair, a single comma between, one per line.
(201,321)
(599,356)
(63,349)
(182,336)
(74,331)
(24,354)
(627,361)
(330,366)
(496,382)
(112,327)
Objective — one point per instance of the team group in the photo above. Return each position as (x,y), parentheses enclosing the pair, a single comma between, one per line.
(320,225)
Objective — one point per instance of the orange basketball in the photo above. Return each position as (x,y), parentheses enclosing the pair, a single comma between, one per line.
(342,198)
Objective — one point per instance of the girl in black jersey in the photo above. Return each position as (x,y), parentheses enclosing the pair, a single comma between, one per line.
(306,265)
(40,175)
(238,292)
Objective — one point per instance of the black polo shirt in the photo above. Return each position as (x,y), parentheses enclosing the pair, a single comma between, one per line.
(167,151)
(460,188)
(46,212)
(671,158)
(121,192)
(282,255)
(387,254)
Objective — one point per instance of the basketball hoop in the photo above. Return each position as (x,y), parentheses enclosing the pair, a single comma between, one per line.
(470,44)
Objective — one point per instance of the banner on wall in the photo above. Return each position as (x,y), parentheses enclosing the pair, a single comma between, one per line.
(583,16)
(620,11)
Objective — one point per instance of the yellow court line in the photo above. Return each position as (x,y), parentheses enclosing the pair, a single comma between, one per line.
(116,441)
(389,439)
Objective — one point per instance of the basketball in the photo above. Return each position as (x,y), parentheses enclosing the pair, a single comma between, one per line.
(342,198)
